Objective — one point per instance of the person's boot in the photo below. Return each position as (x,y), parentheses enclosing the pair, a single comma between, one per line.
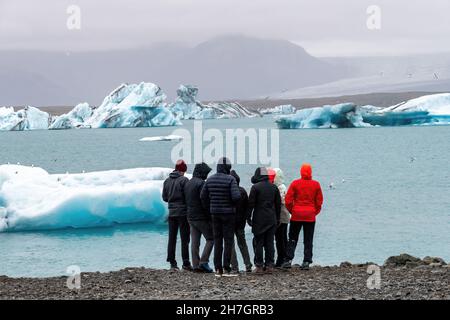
(258,270)
(269,270)
(305,265)
(174,267)
(206,268)
(287,264)
(230,273)
(187,267)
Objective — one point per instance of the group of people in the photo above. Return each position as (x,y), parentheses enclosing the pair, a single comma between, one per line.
(219,209)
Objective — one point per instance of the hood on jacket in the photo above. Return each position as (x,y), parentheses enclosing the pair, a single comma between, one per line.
(224,165)
(236,176)
(261,174)
(201,171)
(175,174)
(306,171)
(279,177)
(272,175)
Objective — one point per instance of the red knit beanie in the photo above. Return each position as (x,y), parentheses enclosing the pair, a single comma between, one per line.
(181,166)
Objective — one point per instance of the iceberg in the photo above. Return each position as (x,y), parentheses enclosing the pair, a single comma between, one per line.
(282,109)
(74,119)
(29,118)
(33,199)
(127,106)
(171,137)
(133,105)
(426,110)
(187,106)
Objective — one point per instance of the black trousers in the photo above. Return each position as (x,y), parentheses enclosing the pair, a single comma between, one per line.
(264,248)
(308,235)
(223,230)
(281,241)
(175,224)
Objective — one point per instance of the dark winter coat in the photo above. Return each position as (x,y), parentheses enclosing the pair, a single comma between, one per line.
(192,190)
(220,192)
(241,205)
(264,203)
(173,194)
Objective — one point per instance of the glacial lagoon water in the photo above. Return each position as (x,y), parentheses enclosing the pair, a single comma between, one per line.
(390,193)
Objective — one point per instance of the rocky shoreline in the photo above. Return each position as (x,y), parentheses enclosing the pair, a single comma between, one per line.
(401,277)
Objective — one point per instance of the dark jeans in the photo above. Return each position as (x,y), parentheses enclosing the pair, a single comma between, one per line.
(199,228)
(223,229)
(178,223)
(264,248)
(243,248)
(308,235)
(281,240)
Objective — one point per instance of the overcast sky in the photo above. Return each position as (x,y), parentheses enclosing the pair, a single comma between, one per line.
(322,27)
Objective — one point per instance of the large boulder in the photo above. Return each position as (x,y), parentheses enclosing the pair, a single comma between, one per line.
(433,261)
(403,259)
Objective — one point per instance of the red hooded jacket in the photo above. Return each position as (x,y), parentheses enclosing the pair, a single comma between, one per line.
(304,197)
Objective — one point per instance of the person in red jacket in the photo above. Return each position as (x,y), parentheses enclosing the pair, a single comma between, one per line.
(304,201)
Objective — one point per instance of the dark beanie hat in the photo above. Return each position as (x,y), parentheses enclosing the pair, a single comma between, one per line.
(181,166)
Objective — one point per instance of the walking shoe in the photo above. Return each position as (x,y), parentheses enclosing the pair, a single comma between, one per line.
(219,273)
(248,268)
(230,273)
(187,267)
(174,267)
(258,270)
(305,265)
(287,264)
(269,270)
(206,268)
(198,270)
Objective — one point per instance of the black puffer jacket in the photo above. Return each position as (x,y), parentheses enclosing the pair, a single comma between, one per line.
(264,203)
(192,189)
(241,205)
(173,194)
(221,192)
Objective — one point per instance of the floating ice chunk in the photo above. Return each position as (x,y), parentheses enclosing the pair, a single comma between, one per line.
(74,119)
(133,105)
(435,104)
(426,110)
(282,109)
(171,137)
(29,118)
(188,107)
(336,116)
(32,199)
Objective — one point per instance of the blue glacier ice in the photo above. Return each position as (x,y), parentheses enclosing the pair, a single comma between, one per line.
(29,118)
(426,110)
(133,105)
(187,106)
(32,199)
(76,118)
(282,109)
